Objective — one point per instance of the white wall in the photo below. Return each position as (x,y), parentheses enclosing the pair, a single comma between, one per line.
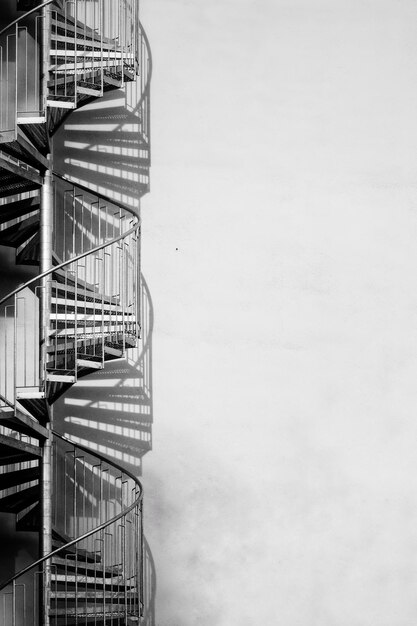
(279,243)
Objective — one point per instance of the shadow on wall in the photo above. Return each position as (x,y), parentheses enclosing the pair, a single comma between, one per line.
(149,591)
(105,146)
(111,410)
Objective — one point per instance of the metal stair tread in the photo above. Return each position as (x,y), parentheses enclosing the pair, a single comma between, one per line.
(19,477)
(97,365)
(81,317)
(16,234)
(18,208)
(92,612)
(84,565)
(85,595)
(107,581)
(21,447)
(58,301)
(20,500)
(17,420)
(71,25)
(60,378)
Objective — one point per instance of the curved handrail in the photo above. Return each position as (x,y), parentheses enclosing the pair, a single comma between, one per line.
(115,518)
(70,261)
(22,17)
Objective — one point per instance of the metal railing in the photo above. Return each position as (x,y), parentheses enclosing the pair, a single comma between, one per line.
(94,301)
(98,569)
(88,43)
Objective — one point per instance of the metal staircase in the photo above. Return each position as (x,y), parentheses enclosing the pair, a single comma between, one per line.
(80,311)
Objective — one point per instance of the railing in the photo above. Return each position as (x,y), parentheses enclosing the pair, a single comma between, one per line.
(94,300)
(89,42)
(20,72)
(98,571)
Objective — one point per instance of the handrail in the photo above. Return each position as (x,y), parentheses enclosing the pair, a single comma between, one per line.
(22,17)
(94,530)
(70,261)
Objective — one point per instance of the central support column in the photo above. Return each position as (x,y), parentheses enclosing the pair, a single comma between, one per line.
(45,262)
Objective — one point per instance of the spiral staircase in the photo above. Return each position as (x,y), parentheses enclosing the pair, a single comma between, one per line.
(78,309)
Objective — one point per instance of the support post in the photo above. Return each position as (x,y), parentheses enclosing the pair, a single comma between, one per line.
(45,262)
(46,528)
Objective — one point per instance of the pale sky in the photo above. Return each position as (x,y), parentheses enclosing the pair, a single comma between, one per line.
(282,487)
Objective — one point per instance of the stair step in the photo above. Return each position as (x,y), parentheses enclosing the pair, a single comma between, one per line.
(29,253)
(63,345)
(81,42)
(82,317)
(31,119)
(67,24)
(22,149)
(17,234)
(61,104)
(12,184)
(80,67)
(96,365)
(37,407)
(89,91)
(116,611)
(89,580)
(18,208)
(83,305)
(29,394)
(18,477)
(19,421)
(37,134)
(84,291)
(84,566)
(112,80)
(97,620)
(81,53)
(31,520)
(88,331)
(13,459)
(11,448)
(113,351)
(20,500)
(99,595)
(60,378)
(79,553)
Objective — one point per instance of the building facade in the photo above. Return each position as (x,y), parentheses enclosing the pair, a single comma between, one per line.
(76,314)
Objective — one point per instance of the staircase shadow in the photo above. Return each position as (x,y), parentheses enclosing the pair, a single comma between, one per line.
(105,146)
(111,410)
